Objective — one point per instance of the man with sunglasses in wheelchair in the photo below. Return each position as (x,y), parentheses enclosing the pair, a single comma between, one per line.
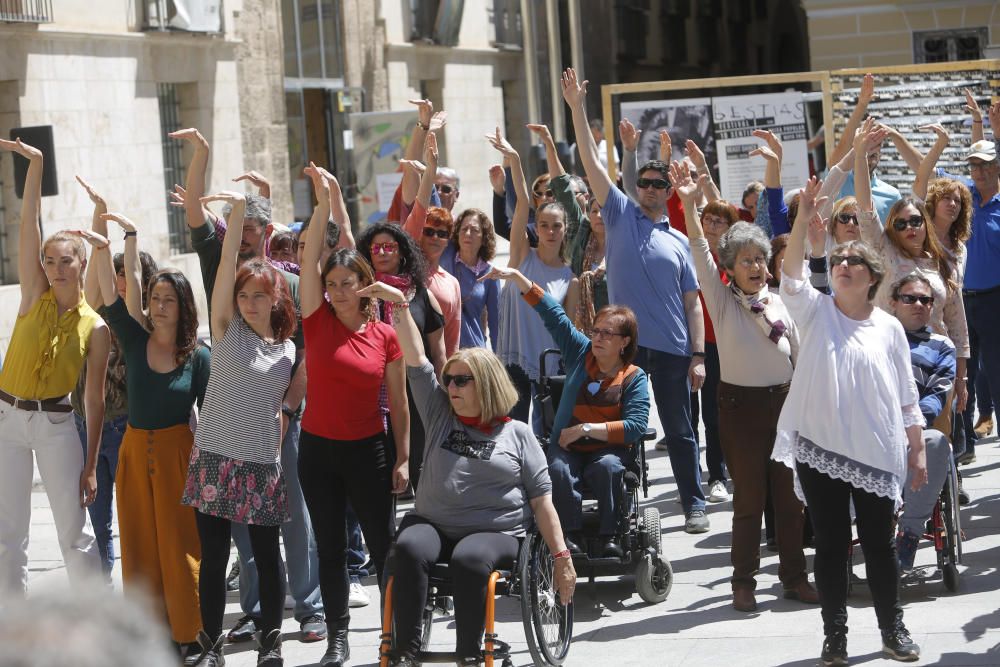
(933,360)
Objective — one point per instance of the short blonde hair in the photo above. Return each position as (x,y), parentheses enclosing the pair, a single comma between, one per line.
(496,393)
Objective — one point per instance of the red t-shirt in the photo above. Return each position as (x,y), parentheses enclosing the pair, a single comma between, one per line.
(344,372)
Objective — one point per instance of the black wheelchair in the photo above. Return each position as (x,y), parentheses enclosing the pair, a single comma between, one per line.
(548,624)
(639,532)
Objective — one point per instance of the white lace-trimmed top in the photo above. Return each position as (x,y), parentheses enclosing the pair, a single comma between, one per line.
(852,394)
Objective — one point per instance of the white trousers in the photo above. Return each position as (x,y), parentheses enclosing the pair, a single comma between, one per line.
(51,438)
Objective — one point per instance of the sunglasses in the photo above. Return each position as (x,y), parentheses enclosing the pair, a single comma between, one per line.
(445,189)
(910,299)
(387,248)
(852,260)
(603,333)
(459,380)
(657,183)
(431,232)
(847,219)
(544,193)
(914,221)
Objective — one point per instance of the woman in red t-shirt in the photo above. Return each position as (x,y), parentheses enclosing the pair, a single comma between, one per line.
(343,453)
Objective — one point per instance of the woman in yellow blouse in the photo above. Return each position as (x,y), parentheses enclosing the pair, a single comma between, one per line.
(55,333)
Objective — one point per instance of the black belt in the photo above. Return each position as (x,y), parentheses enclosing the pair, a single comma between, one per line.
(44,405)
(980,292)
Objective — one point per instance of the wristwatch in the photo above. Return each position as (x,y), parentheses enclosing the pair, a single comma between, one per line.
(586,428)
(698,354)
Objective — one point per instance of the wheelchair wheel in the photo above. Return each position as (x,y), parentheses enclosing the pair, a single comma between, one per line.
(654,578)
(548,625)
(651,524)
(950,511)
(950,574)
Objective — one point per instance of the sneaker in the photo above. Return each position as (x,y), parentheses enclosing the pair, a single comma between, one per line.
(358,597)
(898,645)
(696,521)
(269,653)
(717,492)
(243,631)
(312,629)
(834,650)
(233,578)
(967,458)
(661,444)
(906,549)
(984,426)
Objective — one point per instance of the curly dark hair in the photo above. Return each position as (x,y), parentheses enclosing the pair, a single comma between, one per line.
(488,250)
(187,321)
(411,260)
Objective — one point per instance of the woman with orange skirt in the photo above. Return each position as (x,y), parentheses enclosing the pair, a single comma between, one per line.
(166,372)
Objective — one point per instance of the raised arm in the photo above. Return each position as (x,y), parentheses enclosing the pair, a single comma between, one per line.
(91,286)
(629,135)
(101,264)
(29,266)
(926,168)
(552,161)
(195,183)
(834,182)
(225,277)
(705,183)
(430,170)
(258,180)
(772,153)
(865,140)
(575,94)
(406,329)
(427,121)
(865,96)
(310,281)
(338,208)
(519,244)
(796,249)
(133,269)
(977,116)
(911,156)
(687,189)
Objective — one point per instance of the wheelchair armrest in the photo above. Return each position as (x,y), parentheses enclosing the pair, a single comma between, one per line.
(650,434)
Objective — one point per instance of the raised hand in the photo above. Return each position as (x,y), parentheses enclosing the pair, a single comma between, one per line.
(425,111)
(437,121)
(93,238)
(178,196)
(123,222)
(817,235)
(380,290)
(574,92)
(764,152)
(498,179)
(772,141)
(667,148)
(994,115)
(541,130)
(498,142)
(693,151)
(685,186)
(97,199)
(190,135)
(227,196)
(21,148)
(808,203)
(258,180)
(629,135)
(320,184)
(415,165)
(936,128)
(867,92)
(431,150)
(972,106)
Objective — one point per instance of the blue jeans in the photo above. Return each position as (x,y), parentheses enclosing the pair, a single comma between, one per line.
(102,511)
(300,546)
(602,470)
(982,310)
(672,392)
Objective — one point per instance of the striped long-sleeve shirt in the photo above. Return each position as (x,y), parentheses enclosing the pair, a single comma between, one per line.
(933,359)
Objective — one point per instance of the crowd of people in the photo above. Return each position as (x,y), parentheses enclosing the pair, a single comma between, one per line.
(829,340)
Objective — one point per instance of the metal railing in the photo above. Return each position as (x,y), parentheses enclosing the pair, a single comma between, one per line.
(26,11)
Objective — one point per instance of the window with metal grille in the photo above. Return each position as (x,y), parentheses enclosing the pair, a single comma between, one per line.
(507,21)
(26,11)
(938,46)
(174,169)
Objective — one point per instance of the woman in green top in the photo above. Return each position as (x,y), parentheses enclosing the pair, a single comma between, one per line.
(166,372)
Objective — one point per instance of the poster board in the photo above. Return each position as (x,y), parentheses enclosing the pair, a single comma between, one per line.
(379,139)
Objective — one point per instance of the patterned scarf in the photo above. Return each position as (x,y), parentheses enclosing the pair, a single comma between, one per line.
(766,311)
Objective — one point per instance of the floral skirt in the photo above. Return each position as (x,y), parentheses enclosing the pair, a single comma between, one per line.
(241,491)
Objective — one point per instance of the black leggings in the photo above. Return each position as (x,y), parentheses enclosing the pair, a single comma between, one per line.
(419,546)
(215,534)
(333,472)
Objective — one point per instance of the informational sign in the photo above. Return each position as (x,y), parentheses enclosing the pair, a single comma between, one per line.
(380,139)
(682,119)
(734,120)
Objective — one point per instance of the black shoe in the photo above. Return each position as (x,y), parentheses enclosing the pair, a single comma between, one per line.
(269,653)
(573,544)
(404,660)
(610,549)
(338,651)
(233,578)
(190,652)
(243,631)
(772,545)
(896,644)
(211,651)
(834,650)
(963,495)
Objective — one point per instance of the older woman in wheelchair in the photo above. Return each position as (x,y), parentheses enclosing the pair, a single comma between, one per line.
(605,411)
(484,481)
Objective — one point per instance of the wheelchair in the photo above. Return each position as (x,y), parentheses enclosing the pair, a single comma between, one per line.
(548,625)
(639,532)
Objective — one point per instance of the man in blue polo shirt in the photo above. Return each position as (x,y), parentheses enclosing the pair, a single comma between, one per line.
(650,270)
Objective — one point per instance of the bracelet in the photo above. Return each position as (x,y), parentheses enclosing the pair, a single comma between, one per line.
(562,554)
(287,411)
(132,233)
(401,304)
(698,354)
(980,121)
(423,127)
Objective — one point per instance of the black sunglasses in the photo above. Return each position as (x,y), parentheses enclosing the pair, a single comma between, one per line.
(445,189)
(657,183)
(544,193)
(910,299)
(431,232)
(914,221)
(847,218)
(852,260)
(459,380)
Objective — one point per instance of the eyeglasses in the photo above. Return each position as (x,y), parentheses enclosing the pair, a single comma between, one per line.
(715,221)
(431,232)
(973,166)
(459,380)
(542,194)
(910,299)
(387,248)
(847,219)
(747,263)
(852,260)
(603,333)
(914,221)
(445,189)
(657,183)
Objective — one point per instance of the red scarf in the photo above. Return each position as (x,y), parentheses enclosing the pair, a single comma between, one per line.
(403,283)
(485,427)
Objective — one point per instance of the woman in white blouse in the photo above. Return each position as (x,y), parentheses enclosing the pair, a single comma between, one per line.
(850,427)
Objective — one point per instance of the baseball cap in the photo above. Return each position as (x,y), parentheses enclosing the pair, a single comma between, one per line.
(983,150)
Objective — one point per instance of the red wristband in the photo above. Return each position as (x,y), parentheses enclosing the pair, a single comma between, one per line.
(562,554)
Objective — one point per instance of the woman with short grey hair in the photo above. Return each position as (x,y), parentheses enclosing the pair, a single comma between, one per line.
(758,345)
